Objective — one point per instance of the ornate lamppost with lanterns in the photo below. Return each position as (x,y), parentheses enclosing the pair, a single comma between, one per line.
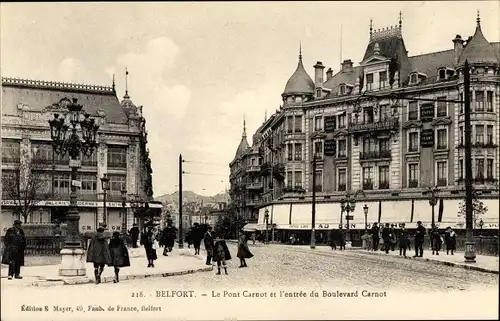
(348,205)
(124,212)
(433,194)
(72,262)
(365,210)
(105,189)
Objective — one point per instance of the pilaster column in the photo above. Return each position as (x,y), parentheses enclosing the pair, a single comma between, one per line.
(132,165)
(102,168)
(25,158)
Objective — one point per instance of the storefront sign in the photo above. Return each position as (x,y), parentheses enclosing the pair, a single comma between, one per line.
(330,147)
(330,124)
(427,112)
(427,138)
(80,204)
(308,226)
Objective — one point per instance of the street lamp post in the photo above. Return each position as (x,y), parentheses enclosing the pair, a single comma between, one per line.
(481,224)
(432,202)
(313,218)
(105,188)
(266,216)
(365,210)
(124,212)
(348,204)
(72,260)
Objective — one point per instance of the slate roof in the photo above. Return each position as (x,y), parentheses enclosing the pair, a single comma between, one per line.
(343,77)
(478,50)
(300,82)
(38,94)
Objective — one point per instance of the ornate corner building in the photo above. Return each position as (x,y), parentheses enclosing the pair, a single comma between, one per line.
(121,153)
(364,139)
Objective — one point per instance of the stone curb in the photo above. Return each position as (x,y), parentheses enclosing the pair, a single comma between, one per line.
(109,279)
(461,265)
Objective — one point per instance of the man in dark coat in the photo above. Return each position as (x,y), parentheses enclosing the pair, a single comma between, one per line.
(14,246)
(209,244)
(189,237)
(147,240)
(403,240)
(386,232)
(134,233)
(98,253)
(419,240)
(435,240)
(243,250)
(197,237)
(375,236)
(221,254)
(119,254)
(393,237)
(168,238)
(450,238)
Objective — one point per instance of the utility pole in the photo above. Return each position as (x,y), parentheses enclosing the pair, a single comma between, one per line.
(470,255)
(181,245)
(313,221)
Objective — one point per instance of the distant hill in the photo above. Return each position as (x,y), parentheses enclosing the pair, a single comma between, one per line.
(190,196)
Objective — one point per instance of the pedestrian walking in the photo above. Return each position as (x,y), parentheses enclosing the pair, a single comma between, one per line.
(386,232)
(451,240)
(148,239)
(189,237)
(436,240)
(167,239)
(98,253)
(419,240)
(14,246)
(403,240)
(333,243)
(221,253)
(243,250)
(134,234)
(197,237)
(119,254)
(209,244)
(375,236)
(253,238)
(393,237)
(341,239)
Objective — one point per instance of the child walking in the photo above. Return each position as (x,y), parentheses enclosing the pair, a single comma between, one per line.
(119,255)
(221,254)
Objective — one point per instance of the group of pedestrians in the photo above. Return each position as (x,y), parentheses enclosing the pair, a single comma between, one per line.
(392,236)
(194,236)
(217,250)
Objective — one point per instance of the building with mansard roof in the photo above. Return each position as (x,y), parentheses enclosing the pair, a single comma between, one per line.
(122,153)
(365,140)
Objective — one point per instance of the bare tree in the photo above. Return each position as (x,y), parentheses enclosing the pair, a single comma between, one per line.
(24,184)
(478,210)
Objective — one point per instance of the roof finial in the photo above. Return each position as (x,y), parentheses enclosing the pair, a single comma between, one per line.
(113,83)
(400,19)
(300,50)
(244,127)
(126,84)
(478,18)
(371,27)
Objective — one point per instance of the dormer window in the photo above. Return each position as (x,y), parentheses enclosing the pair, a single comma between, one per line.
(382,79)
(413,78)
(442,74)
(318,93)
(342,89)
(369,81)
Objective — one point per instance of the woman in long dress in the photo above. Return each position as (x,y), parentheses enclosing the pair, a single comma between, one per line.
(119,254)
(243,250)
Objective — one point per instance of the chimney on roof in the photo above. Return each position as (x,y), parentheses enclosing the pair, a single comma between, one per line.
(347,65)
(458,43)
(318,74)
(329,74)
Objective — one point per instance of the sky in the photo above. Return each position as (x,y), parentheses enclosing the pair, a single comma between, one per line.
(199,69)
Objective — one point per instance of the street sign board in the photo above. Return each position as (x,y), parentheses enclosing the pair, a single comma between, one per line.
(349,217)
(76,183)
(75,163)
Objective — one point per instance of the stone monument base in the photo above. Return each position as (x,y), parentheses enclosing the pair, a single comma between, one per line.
(73,262)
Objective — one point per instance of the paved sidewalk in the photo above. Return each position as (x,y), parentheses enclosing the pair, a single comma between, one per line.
(179,262)
(484,263)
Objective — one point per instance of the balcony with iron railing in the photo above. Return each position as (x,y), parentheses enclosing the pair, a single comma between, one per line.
(255,186)
(342,187)
(117,164)
(367,184)
(372,155)
(412,183)
(381,125)
(383,185)
(253,168)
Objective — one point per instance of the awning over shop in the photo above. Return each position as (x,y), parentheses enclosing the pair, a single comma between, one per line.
(280,214)
(262,213)
(250,227)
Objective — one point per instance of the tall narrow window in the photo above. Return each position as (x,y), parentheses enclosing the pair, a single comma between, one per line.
(368,115)
(382,79)
(383,177)
(384,146)
(479,134)
(341,121)
(489,101)
(442,139)
(442,74)
(441,174)
(412,175)
(384,112)
(319,180)
(479,100)
(290,151)
(298,124)
(489,168)
(489,134)
(367,178)
(461,169)
(461,130)
(318,149)
(289,124)
(298,152)
(318,123)
(479,168)
(413,110)
(342,143)
(461,97)
(342,179)
(413,142)
(442,110)
(369,81)
(289,179)
(11,151)
(298,179)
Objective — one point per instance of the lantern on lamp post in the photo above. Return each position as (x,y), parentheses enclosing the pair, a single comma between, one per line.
(266,216)
(105,189)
